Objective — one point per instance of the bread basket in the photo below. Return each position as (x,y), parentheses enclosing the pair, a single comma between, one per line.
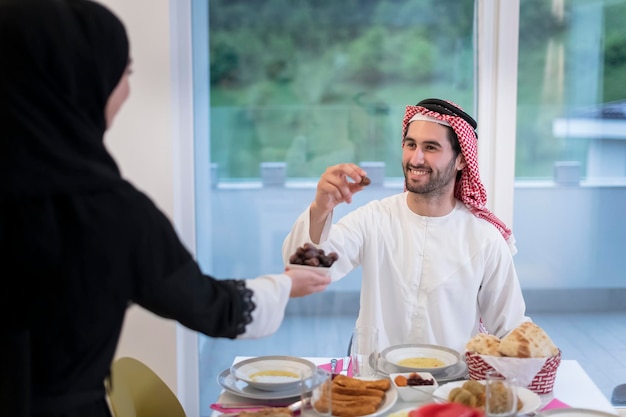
(542,383)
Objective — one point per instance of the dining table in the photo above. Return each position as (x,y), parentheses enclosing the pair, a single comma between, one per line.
(572,388)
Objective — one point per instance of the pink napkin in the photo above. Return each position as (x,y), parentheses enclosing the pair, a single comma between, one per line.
(339,366)
(555,403)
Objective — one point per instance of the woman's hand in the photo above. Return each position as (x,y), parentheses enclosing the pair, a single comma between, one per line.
(305,282)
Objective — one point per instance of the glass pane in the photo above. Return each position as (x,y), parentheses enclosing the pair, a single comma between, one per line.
(572,95)
(296,86)
(571,142)
(318,83)
(571,157)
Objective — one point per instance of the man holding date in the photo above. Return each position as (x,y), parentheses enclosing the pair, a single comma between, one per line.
(436,262)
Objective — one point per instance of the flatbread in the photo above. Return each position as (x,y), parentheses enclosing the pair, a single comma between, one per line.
(484,344)
(527,341)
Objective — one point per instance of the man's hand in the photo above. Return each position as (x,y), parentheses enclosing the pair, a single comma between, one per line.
(333,188)
(305,282)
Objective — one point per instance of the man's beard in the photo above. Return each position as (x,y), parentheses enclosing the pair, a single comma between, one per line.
(437,183)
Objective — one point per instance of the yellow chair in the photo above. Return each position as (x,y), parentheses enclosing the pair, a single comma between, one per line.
(137,391)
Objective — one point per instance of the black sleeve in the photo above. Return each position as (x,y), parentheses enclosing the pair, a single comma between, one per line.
(171,284)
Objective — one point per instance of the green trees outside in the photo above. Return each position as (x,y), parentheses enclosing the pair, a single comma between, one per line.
(314,83)
(317,82)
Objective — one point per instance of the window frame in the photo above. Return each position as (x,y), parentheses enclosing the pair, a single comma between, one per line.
(497,52)
(184,128)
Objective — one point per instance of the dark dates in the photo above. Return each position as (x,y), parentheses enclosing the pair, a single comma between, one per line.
(310,255)
(416,379)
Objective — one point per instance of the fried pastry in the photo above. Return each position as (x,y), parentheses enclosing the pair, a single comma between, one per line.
(352,409)
(365,398)
(478,390)
(371,392)
(474,387)
(348,382)
(353,397)
(463,396)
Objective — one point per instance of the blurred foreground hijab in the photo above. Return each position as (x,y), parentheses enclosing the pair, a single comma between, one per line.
(61,59)
(468,189)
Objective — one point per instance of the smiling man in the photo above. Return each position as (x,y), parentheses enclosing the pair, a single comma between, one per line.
(437,264)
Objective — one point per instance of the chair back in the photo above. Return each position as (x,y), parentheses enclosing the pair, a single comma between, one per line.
(137,391)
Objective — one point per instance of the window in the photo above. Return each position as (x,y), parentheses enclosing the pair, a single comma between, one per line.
(308,84)
(571,148)
(284,89)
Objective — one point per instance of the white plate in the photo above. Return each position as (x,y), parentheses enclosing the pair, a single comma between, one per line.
(273,373)
(391,396)
(395,354)
(319,269)
(243,389)
(574,412)
(458,371)
(531,400)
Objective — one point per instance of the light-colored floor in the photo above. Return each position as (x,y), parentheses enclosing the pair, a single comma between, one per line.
(596,340)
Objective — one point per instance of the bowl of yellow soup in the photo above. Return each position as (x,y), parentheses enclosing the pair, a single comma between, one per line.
(273,373)
(421,358)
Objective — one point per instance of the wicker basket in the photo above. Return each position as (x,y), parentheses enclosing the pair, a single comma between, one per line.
(542,383)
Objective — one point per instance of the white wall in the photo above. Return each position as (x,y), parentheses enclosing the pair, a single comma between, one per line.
(141,142)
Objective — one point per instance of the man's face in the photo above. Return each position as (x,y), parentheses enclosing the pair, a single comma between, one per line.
(430,166)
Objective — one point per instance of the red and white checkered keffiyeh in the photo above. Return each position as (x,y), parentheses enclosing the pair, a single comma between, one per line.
(469,189)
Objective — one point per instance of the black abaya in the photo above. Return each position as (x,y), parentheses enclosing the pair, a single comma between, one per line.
(78,243)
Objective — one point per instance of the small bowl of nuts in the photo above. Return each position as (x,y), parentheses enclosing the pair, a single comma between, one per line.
(313,258)
(414,386)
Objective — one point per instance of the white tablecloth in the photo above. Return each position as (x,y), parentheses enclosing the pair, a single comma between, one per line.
(572,386)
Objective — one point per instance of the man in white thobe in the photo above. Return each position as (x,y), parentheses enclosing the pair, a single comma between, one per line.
(437,264)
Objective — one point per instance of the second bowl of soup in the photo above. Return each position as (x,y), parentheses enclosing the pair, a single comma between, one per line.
(421,358)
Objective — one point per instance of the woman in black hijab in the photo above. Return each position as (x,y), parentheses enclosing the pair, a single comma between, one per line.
(77,241)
